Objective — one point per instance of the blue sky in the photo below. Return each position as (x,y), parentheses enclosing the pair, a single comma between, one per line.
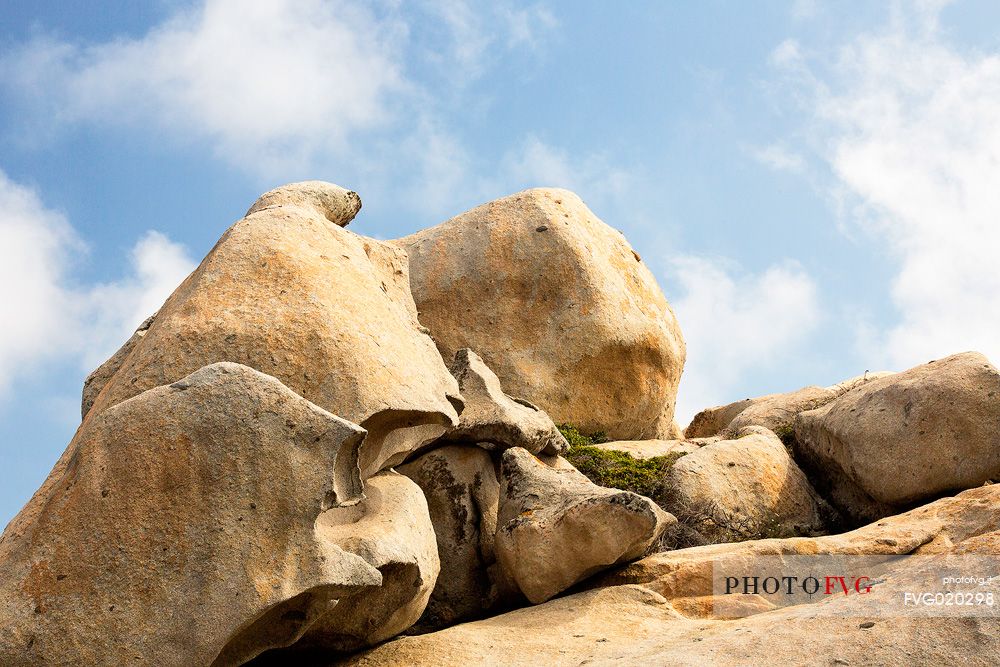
(813,184)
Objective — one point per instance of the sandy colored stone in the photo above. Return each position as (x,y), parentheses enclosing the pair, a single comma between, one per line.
(653,612)
(907,437)
(291,293)
(392,531)
(95,382)
(463,496)
(558,305)
(555,527)
(741,489)
(179,529)
(494,420)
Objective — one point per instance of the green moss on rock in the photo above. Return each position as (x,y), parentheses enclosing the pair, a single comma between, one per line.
(617,470)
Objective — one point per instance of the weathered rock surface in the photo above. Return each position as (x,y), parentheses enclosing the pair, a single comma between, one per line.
(494,420)
(555,527)
(776,412)
(95,382)
(741,489)
(391,530)
(463,496)
(291,293)
(179,529)
(907,437)
(558,305)
(661,620)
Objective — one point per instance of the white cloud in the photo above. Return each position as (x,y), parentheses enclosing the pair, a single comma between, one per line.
(736,324)
(278,86)
(36,244)
(271,80)
(46,317)
(909,126)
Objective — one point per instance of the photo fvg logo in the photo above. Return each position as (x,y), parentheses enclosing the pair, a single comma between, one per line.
(789,585)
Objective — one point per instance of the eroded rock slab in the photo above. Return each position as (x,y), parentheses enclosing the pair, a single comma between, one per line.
(179,529)
(558,305)
(556,527)
(95,382)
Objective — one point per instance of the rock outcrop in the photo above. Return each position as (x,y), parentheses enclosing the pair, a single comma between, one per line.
(556,528)
(290,292)
(463,496)
(179,529)
(901,439)
(741,489)
(280,467)
(494,420)
(653,611)
(558,305)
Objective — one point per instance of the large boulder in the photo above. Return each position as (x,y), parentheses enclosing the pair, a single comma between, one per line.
(904,438)
(742,489)
(290,292)
(463,495)
(392,531)
(494,420)
(652,611)
(556,528)
(179,528)
(558,305)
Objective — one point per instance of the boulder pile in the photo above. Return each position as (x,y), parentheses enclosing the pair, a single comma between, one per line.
(459,447)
